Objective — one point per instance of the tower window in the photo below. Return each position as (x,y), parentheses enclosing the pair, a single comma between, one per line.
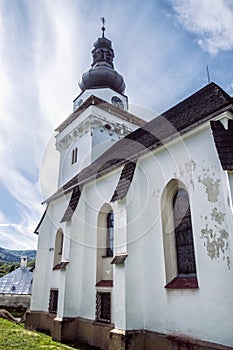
(74,155)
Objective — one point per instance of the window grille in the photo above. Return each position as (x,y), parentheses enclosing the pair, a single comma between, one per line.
(53,301)
(183,234)
(103,307)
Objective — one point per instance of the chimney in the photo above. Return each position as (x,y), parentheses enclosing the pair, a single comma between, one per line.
(23,263)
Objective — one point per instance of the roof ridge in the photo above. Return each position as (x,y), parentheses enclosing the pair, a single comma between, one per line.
(193,110)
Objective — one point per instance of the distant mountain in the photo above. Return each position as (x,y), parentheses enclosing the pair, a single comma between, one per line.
(7,255)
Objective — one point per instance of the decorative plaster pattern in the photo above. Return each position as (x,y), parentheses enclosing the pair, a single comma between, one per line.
(90,123)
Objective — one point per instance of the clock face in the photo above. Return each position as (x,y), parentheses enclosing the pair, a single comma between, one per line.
(116,101)
(77,103)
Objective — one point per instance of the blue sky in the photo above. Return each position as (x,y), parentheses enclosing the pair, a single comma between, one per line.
(161,48)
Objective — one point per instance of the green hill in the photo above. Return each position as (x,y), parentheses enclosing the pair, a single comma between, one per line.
(8,256)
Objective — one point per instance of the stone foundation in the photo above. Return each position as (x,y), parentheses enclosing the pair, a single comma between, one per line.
(105,337)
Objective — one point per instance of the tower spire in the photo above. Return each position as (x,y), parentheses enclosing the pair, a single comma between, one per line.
(103,28)
(102,73)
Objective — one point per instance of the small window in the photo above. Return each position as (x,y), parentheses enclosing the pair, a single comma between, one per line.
(110,234)
(53,301)
(58,247)
(74,155)
(103,307)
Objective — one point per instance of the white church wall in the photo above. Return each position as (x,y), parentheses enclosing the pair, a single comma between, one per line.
(84,156)
(45,255)
(105,94)
(192,312)
(83,251)
(92,133)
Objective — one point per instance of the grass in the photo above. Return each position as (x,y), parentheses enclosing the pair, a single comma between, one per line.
(16,337)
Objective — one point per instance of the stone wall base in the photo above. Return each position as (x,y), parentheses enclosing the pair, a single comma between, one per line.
(105,337)
(15,303)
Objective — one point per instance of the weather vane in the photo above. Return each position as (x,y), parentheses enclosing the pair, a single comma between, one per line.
(103,28)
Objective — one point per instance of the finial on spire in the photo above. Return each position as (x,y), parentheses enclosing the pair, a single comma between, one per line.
(103,28)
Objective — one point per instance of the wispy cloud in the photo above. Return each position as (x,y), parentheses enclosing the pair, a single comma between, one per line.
(45,46)
(210,20)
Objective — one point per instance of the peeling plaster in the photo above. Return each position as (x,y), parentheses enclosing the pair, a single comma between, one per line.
(188,168)
(216,243)
(218,216)
(212,187)
(228,262)
(156,193)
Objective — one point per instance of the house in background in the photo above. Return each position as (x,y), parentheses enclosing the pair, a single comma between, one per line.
(15,288)
(135,247)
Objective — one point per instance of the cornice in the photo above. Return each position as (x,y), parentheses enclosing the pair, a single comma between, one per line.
(89,124)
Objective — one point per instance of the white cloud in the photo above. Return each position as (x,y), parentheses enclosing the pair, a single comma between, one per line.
(45,46)
(210,20)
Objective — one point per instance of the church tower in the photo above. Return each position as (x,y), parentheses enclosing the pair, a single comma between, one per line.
(99,116)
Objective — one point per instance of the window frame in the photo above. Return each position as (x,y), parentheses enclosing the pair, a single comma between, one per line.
(74,156)
(110,234)
(58,249)
(173,278)
(53,301)
(99,306)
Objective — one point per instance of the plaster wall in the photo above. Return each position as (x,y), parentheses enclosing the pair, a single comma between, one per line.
(203,313)
(105,94)
(91,142)
(139,299)
(81,290)
(84,155)
(45,254)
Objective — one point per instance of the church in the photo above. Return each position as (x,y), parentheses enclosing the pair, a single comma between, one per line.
(135,246)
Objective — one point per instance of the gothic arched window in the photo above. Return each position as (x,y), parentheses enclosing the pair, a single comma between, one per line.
(58,247)
(183,234)
(178,242)
(110,234)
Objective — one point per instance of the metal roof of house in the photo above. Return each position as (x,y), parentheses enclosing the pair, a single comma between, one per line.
(18,281)
(194,110)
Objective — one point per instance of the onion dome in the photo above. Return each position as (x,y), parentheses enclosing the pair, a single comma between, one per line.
(102,73)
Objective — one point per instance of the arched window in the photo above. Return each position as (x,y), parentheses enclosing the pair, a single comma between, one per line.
(58,247)
(183,234)
(110,234)
(105,245)
(179,252)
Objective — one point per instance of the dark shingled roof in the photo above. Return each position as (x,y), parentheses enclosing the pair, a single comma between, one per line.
(124,181)
(119,259)
(223,139)
(61,266)
(194,110)
(72,204)
(104,283)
